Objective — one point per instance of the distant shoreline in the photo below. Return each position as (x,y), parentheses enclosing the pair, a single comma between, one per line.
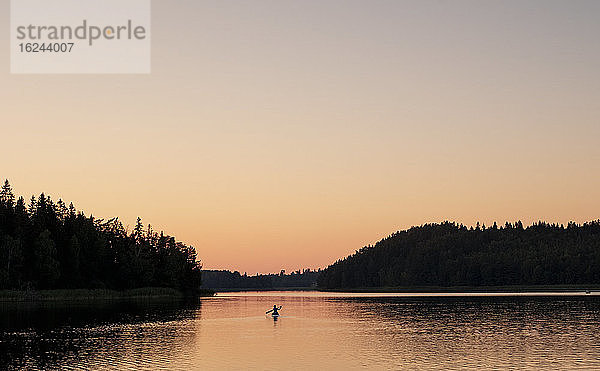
(97,294)
(471,289)
(433,289)
(241,289)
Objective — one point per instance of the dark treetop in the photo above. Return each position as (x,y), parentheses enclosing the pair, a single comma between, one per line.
(448,254)
(49,245)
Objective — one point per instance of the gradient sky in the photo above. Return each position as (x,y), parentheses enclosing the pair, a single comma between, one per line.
(287,134)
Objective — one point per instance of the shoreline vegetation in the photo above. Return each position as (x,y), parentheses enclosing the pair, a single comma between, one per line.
(144,293)
(246,289)
(471,289)
(158,293)
(225,280)
(432,289)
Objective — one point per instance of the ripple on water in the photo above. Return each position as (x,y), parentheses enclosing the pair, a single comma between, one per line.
(313,331)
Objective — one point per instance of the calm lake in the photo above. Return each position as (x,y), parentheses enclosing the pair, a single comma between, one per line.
(315,330)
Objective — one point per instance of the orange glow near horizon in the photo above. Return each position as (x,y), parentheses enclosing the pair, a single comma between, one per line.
(287,135)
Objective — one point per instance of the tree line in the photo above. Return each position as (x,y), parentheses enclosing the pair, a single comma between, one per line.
(223,279)
(51,245)
(449,254)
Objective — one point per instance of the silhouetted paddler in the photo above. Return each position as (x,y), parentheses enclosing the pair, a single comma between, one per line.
(275,310)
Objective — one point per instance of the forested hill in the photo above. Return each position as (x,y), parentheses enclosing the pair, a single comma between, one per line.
(448,254)
(48,245)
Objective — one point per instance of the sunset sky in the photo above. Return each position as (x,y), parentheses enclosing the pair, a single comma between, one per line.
(287,134)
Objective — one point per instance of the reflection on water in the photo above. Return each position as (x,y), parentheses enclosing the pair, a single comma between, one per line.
(231,331)
(95,335)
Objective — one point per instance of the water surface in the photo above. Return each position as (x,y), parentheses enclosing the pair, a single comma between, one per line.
(326,330)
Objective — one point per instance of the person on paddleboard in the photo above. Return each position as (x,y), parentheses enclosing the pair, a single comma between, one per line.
(275,310)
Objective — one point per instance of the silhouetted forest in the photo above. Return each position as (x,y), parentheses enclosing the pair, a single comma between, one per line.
(448,254)
(215,279)
(49,245)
